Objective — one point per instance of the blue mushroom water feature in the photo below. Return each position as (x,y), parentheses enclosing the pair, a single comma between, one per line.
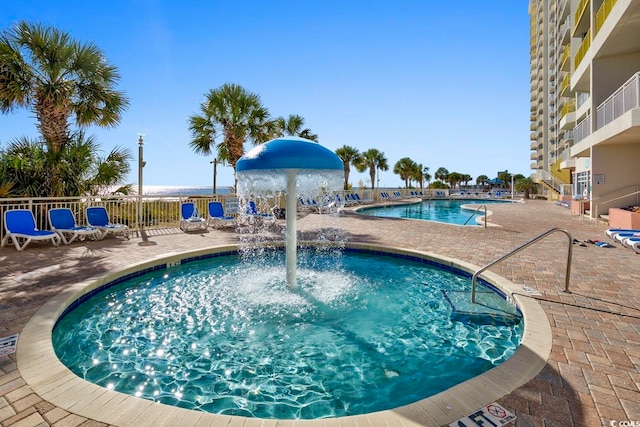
(293,165)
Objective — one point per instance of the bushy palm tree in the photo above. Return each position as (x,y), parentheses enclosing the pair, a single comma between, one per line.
(293,126)
(57,77)
(61,81)
(442,174)
(482,180)
(406,169)
(349,156)
(526,185)
(25,165)
(373,160)
(229,117)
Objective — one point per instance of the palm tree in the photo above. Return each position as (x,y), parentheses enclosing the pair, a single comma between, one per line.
(442,174)
(57,77)
(26,167)
(466,178)
(234,114)
(527,185)
(426,175)
(482,180)
(453,179)
(293,126)
(349,156)
(406,169)
(373,160)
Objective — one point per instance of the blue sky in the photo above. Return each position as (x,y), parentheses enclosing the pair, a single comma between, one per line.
(444,83)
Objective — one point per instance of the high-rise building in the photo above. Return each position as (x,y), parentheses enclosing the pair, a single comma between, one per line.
(585,100)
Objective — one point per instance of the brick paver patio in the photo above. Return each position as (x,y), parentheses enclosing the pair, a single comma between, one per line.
(591,378)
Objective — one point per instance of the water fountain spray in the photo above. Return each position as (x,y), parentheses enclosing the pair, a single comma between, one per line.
(297,167)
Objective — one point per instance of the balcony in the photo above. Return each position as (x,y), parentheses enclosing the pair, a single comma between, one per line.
(580,14)
(533,136)
(622,100)
(566,82)
(534,156)
(603,12)
(582,130)
(568,107)
(564,60)
(582,50)
(534,145)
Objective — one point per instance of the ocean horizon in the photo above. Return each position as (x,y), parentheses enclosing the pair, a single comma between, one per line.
(182,190)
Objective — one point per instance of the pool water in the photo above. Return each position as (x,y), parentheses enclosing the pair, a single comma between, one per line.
(441,210)
(362,333)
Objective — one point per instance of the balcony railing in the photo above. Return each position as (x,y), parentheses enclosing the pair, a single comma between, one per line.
(582,50)
(603,12)
(565,56)
(569,107)
(622,100)
(582,130)
(582,7)
(565,83)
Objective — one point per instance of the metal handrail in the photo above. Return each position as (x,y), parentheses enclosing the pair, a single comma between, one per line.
(518,249)
(476,211)
(624,196)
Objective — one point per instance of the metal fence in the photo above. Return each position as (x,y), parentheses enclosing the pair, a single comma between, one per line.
(163,212)
(622,100)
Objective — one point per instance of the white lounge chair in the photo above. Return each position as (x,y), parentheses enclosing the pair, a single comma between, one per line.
(98,217)
(190,219)
(217,217)
(64,223)
(21,224)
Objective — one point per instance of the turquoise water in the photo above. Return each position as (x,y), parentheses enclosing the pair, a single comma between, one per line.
(362,333)
(448,210)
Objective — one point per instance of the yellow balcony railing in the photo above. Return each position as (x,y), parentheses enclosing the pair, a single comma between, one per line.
(603,12)
(582,50)
(569,107)
(565,56)
(565,83)
(582,7)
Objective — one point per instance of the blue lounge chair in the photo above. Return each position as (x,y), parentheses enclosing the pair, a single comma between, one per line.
(217,217)
(190,219)
(64,223)
(252,209)
(98,217)
(20,224)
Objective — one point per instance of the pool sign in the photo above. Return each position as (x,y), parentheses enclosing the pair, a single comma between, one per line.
(492,415)
(8,345)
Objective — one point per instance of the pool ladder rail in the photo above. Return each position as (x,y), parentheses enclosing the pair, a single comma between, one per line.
(484,205)
(518,249)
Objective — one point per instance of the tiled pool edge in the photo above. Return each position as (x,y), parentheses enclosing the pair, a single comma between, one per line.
(46,375)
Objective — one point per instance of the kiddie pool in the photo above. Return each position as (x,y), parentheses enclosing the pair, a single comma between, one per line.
(55,383)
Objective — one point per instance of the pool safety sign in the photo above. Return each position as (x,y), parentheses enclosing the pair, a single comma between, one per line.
(492,415)
(8,345)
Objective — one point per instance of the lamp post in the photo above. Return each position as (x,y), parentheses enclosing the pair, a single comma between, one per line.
(215,172)
(141,164)
(512,189)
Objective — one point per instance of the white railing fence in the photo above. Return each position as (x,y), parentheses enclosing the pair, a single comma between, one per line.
(622,100)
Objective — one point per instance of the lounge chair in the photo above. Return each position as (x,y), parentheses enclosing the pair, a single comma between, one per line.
(252,209)
(98,217)
(21,224)
(64,223)
(612,232)
(190,219)
(217,217)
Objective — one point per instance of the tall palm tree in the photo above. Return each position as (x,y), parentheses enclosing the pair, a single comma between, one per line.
(349,156)
(426,176)
(229,117)
(293,126)
(405,168)
(373,160)
(57,77)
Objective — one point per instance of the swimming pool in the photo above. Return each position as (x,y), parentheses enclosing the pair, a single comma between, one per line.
(122,350)
(441,210)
